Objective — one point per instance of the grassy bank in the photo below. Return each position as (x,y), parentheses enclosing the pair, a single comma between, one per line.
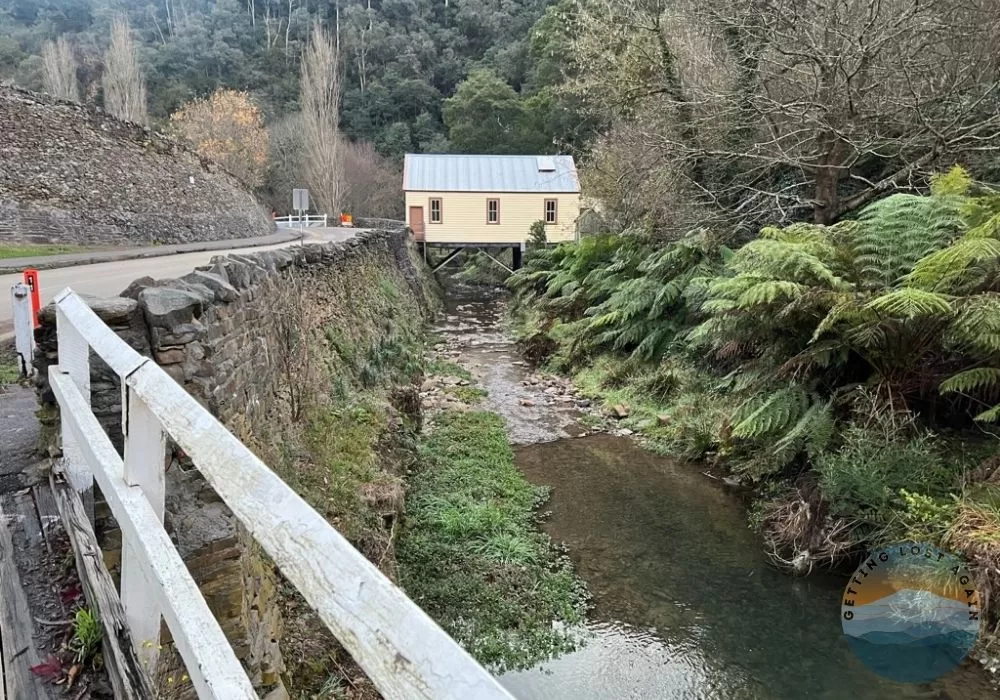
(848,375)
(29,250)
(471,552)
(9,371)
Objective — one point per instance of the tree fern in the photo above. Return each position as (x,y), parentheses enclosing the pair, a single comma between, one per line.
(645,311)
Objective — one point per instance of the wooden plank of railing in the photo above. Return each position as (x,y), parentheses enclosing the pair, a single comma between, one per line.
(210,661)
(16,626)
(104,341)
(74,358)
(145,452)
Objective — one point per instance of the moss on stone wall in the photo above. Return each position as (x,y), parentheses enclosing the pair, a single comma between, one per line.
(340,429)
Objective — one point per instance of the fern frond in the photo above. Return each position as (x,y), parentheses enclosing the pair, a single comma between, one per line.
(777,259)
(987,229)
(776,412)
(977,324)
(896,232)
(961,264)
(849,309)
(655,343)
(911,303)
(814,430)
(769,291)
(971,380)
(990,416)
(732,287)
(718,306)
(819,355)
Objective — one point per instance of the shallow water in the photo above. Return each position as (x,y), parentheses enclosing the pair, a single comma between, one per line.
(685,604)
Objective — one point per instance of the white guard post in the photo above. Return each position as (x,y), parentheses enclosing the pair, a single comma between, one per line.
(24,327)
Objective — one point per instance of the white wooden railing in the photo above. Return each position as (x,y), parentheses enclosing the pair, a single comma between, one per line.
(304,221)
(401,649)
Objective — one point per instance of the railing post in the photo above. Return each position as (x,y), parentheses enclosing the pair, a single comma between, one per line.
(74,360)
(24,337)
(145,453)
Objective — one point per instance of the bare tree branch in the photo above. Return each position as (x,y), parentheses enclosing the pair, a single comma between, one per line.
(60,69)
(321,86)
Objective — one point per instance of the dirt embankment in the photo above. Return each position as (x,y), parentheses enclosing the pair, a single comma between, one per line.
(73,174)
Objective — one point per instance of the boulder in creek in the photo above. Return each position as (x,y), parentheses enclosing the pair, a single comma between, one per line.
(620,410)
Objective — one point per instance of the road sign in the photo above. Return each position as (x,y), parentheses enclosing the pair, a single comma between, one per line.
(300,200)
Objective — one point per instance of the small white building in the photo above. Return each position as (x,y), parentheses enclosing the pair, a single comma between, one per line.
(489,201)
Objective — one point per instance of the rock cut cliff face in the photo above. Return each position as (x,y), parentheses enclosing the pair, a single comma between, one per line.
(73,174)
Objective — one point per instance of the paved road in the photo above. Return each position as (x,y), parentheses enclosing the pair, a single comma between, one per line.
(110,278)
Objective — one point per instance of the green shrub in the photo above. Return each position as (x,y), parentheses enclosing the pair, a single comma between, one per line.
(537,238)
(865,479)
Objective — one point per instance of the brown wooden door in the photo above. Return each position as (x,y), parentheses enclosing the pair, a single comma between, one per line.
(417,222)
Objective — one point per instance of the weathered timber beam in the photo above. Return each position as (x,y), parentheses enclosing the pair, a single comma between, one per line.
(448,258)
(128,678)
(495,260)
(16,627)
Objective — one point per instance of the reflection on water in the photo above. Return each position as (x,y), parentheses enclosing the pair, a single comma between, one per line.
(686,607)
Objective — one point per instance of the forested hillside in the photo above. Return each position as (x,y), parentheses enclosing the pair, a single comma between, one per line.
(402,58)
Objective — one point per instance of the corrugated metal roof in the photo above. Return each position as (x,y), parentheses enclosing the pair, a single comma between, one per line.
(434,172)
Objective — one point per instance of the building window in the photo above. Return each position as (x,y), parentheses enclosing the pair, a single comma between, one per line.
(435,206)
(551,211)
(493,211)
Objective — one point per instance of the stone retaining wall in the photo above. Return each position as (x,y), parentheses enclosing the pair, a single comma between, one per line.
(228,332)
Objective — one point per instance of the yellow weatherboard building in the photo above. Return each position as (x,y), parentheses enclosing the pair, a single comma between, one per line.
(484,201)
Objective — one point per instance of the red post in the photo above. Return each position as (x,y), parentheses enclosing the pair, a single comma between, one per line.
(31,279)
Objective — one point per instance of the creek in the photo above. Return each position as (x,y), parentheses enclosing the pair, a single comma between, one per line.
(685,604)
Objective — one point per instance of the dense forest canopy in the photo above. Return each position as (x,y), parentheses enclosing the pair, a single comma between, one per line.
(402,58)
